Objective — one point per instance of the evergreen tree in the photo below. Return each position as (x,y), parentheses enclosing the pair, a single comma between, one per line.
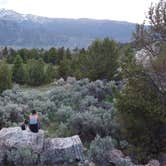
(60,55)
(49,74)
(11,56)
(141,109)
(68,53)
(142,102)
(64,69)
(5,52)
(102,60)
(19,73)
(36,72)
(52,56)
(5,77)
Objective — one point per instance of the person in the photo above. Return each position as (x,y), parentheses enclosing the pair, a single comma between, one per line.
(34,121)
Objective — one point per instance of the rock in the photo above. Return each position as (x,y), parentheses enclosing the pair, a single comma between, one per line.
(116,154)
(68,86)
(118,158)
(61,82)
(17,138)
(153,163)
(143,57)
(71,80)
(91,164)
(18,147)
(58,150)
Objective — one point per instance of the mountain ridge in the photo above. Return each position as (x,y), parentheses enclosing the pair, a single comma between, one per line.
(26,30)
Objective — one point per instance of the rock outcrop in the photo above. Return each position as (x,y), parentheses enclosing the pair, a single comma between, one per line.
(18,147)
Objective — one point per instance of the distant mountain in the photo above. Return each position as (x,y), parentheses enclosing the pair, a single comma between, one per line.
(21,30)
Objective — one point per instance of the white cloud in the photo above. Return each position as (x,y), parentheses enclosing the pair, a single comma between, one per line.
(127,10)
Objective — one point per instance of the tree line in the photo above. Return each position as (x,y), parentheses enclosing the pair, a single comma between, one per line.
(37,66)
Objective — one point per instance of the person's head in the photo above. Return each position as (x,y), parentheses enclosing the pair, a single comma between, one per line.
(33,112)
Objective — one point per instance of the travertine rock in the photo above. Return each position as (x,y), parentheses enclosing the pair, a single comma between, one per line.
(18,147)
(58,150)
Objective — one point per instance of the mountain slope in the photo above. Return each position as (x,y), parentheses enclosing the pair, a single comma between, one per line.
(20,30)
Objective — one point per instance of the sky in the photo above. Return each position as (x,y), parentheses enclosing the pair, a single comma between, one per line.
(122,10)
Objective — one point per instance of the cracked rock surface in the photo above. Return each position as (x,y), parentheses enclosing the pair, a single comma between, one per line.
(18,147)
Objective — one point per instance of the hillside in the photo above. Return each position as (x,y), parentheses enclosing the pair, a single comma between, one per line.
(20,30)
(66,108)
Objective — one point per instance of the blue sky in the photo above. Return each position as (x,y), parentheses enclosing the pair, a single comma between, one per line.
(125,10)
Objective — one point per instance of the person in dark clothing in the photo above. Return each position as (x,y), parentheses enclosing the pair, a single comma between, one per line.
(34,122)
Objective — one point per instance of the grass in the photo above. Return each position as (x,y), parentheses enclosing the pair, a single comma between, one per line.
(51,129)
(44,87)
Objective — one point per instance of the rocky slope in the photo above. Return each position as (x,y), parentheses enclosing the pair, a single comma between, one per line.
(77,107)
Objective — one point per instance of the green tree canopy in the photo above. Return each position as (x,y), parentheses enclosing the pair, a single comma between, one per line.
(36,72)
(49,73)
(19,72)
(102,59)
(5,77)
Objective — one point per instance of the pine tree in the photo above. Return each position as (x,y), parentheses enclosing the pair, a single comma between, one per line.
(36,72)
(5,77)
(64,69)
(19,72)
(49,74)
(102,59)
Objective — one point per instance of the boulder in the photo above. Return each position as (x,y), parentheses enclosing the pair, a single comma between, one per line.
(17,138)
(118,158)
(18,147)
(58,150)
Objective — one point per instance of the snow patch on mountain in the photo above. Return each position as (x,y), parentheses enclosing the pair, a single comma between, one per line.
(6,14)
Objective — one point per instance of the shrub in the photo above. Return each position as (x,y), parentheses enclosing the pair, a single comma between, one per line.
(63,114)
(86,125)
(99,151)
(22,156)
(68,108)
